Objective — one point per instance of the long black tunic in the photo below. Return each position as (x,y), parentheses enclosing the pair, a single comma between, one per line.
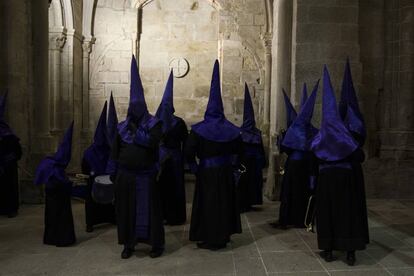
(136,178)
(215,215)
(341,215)
(59,227)
(10,153)
(250,186)
(295,189)
(96,213)
(172,175)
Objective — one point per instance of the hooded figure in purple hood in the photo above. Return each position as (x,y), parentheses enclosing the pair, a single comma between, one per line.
(297,182)
(10,153)
(171,178)
(59,227)
(133,169)
(251,182)
(341,214)
(94,162)
(217,144)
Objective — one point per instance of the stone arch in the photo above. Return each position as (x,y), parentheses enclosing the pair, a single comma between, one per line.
(142,3)
(61,13)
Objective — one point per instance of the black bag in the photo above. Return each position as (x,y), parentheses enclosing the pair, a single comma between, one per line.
(103,190)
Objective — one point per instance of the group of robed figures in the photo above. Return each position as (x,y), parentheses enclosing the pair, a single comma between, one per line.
(144,157)
(323,177)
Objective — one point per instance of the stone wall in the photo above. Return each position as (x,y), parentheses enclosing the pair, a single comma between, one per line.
(324,32)
(197,30)
(386,38)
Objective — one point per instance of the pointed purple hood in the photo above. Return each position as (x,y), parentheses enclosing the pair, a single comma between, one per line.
(215,127)
(112,121)
(299,135)
(249,132)
(165,111)
(137,110)
(98,153)
(55,165)
(333,142)
(304,96)
(349,99)
(5,129)
(290,110)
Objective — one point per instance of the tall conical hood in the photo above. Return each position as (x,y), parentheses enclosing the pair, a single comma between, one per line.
(96,155)
(248,116)
(290,110)
(333,141)
(300,133)
(64,152)
(250,134)
(137,105)
(3,100)
(355,125)
(165,111)
(112,120)
(304,96)
(349,99)
(100,136)
(54,166)
(215,108)
(137,110)
(215,126)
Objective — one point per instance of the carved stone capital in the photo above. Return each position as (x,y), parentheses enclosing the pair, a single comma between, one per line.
(87,44)
(267,39)
(57,40)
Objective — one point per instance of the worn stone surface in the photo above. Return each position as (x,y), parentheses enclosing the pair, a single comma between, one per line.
(259,250)
(198,31)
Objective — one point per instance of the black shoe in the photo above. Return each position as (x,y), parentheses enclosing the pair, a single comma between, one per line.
(202,245)
(12,214)
(215,247)
(156,252)
(278,225)
(89,228)
(212,247)
(327,256)
(350,258)
(127,253)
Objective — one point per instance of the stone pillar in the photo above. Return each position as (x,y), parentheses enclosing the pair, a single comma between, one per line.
(56,42)
(87,49)
(397,120)
(267,40)
(270,178)
(40,62)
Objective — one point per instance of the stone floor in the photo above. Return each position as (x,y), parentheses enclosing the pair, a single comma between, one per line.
(260,250)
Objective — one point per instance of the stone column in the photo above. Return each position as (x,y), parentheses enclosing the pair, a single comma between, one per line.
(56,42)
(397,121)
(87,49)
(40,72)
(270,178)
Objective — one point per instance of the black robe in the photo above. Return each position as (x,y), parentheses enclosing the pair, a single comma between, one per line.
(215,215)
(10,153)
(59,227)
(137,193)
(250,186)
(296,188)
(96,213)
(171,178)
(341,212)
